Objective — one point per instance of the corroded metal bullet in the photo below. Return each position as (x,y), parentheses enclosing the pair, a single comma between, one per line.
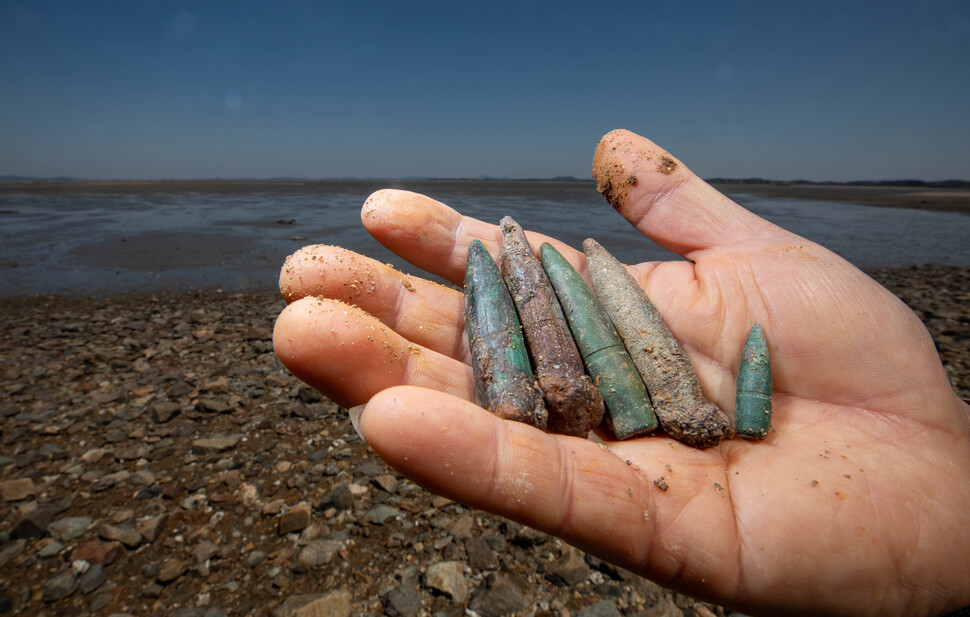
(574,405)
(683,410)
(503,376)
(752,412)
(628,410)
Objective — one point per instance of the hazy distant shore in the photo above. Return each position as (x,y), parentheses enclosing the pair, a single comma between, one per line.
(913,197)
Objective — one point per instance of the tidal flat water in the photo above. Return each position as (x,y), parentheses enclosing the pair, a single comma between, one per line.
(84,240)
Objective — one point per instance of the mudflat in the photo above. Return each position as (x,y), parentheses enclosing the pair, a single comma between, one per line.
(917,198)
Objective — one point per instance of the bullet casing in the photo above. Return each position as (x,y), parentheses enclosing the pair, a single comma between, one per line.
(752,412)
(628,410)
(503,375)
(678,400)
(573,403)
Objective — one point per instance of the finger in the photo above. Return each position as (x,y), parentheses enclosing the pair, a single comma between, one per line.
(423,312)
(435,237)
(569,487)
(666,201)
(349,355)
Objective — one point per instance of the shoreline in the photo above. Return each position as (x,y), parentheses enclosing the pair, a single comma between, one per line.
(915,198)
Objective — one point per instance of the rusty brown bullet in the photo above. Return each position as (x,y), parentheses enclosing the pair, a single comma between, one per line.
(574,405)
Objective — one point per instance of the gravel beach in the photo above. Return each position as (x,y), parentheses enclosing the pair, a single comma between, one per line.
(157,459)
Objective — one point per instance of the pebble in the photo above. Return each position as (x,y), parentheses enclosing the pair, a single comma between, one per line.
(216,443)
(447,578)
(381,514)
(294,519)
(52,549)
(402,601)
(95,551)
(69,527)
(17,489)
(333,604)
(12,550)
(128,536)
(570,570)
(93,578)
(61,585)
(319,552)
(498,597)
(171,569)
(603,608)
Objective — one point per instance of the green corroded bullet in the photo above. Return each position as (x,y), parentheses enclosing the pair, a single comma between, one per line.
(628,410)
(683,410)
(752,412)
(503,376)
(575,406)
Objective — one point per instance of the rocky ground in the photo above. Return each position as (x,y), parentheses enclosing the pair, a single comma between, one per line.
(157,459)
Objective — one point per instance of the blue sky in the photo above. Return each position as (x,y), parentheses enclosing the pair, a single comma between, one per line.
(783,90)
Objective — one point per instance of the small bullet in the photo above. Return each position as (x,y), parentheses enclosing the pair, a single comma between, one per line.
(628,410)
(752,412)
(683,410)
(574,405)
(503,375)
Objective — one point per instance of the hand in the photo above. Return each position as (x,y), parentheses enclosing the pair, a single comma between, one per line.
(856,503)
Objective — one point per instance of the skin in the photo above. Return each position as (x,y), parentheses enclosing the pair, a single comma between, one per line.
(856,503)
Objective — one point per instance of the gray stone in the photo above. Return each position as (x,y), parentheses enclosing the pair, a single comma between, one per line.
(51,550)
(381,513)
(100,601)
(318,552)
(61,585)
(498,597)
(70,527)
(92,579)
(569,570)
(480,556)
(495,542)
(402,601)
(254,558)
(333,604)
(603,608)
(165,411)
(446,577)
(369,469)
(126,535)
(340,498)
(216,443)
(151,528)
(34,523)
(204,551)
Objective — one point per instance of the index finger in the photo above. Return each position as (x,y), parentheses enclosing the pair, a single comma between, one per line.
(435,237)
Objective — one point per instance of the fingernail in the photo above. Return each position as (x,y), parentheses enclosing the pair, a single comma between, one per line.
(355,414)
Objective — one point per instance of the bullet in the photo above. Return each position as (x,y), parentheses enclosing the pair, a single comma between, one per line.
(574,405)
(628,410)
(752,411)
(683,410)
(503,375)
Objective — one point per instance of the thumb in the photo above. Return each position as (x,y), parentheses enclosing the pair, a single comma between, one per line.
(591,495)
(663,199)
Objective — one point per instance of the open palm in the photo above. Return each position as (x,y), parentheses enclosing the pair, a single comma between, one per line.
(857,501)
